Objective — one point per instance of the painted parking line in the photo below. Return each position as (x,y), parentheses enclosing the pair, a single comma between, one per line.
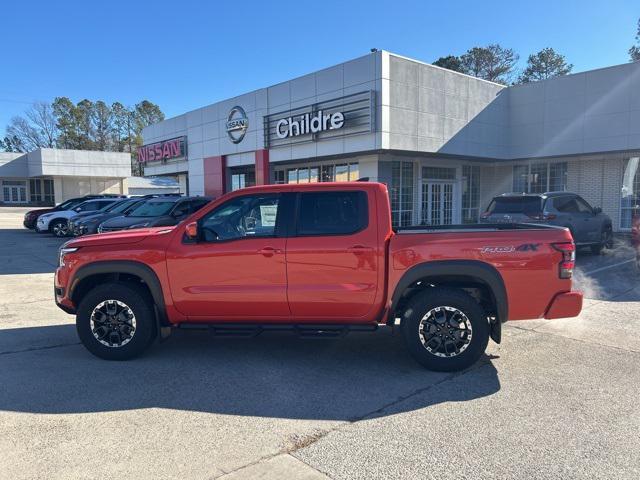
(601,269)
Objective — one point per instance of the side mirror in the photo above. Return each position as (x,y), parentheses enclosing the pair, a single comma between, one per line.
(191,230)
(597,210)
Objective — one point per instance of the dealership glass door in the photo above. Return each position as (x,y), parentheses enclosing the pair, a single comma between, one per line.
(438,195)
(437,203)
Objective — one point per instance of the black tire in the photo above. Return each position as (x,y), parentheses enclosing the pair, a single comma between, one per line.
(606,241)
(460,300)
(133,297)
(59,228)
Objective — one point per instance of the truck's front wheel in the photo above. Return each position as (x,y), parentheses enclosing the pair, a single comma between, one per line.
(115,321)
(445,329)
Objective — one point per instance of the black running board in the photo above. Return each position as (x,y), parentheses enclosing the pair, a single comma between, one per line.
(303,330)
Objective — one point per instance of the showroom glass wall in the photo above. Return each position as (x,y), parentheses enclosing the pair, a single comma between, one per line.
(630,194)
(540,177)
(429,196)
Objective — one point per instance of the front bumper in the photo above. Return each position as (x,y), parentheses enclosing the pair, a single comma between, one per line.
(565,305)
(63,302)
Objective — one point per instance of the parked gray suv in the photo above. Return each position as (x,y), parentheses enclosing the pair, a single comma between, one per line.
(588,225)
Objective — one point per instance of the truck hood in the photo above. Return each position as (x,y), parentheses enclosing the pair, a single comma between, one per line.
(118,238)
(40,211)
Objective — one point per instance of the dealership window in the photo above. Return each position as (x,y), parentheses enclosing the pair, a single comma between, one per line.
(242,179)
(343,172)
(470,193)
(14,191)
(35,190)
(49,197)
(401,193)
(540,177)
(630,198)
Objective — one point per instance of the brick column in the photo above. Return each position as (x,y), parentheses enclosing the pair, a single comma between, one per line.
(215,181)
(262,167)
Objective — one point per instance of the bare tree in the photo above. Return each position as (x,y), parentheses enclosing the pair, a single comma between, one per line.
(493,63)
(36,129)
(634,51)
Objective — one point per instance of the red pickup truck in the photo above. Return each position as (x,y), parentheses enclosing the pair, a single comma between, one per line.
(320,259)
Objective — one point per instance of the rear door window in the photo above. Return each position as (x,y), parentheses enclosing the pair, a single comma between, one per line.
(524,205)
(88,206)
(332,213)
(566,204)
(583,207)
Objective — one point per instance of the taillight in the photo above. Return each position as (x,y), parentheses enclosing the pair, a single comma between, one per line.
(568,250)
(541,216)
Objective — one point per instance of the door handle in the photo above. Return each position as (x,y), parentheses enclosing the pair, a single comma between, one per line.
(359,249)
(269,251)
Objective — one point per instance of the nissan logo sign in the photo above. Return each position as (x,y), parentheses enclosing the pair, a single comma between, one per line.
(237,124)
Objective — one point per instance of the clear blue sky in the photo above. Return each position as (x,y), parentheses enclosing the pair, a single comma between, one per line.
(184,54)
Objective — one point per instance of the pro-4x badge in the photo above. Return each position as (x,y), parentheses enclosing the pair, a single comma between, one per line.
(525,247)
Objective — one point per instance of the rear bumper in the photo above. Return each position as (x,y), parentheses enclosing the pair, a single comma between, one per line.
(565,305)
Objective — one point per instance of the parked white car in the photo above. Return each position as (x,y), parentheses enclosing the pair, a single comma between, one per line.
(57,223)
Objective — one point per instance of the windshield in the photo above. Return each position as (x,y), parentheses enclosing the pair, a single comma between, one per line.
(523,205)
(69,204)
(107,207)
(152,209)
(121,206)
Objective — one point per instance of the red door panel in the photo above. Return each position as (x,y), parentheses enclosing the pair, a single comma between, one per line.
(333,275)
(237,279)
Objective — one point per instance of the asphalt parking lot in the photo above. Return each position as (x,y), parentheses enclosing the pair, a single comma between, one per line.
(557,399)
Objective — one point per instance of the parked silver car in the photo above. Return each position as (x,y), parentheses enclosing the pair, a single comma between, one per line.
(588,225)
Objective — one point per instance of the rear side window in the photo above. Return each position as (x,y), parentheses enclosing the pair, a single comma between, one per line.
(198,204)
(566,204)
(332,213)
(89,206)
(524,205)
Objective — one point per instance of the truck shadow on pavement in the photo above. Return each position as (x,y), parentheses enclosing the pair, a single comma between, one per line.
(39,252)
(275,375)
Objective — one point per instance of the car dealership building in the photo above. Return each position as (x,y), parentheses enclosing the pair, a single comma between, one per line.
(48,176)
(445,143)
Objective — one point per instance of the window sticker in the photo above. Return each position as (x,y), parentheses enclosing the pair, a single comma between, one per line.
(268,215)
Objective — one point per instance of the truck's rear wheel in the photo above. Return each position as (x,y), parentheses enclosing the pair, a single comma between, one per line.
(115,321)
(445,329)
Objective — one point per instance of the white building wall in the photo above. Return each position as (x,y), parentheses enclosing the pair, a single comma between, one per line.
(435,110)
(80,163)
(589,112)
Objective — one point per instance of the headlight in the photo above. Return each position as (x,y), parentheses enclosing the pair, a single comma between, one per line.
(139,225)
(63,252)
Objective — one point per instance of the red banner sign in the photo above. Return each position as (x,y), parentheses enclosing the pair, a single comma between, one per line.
(165,150)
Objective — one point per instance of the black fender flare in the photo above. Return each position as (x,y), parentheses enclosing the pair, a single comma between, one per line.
(475,269)
(127,267)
